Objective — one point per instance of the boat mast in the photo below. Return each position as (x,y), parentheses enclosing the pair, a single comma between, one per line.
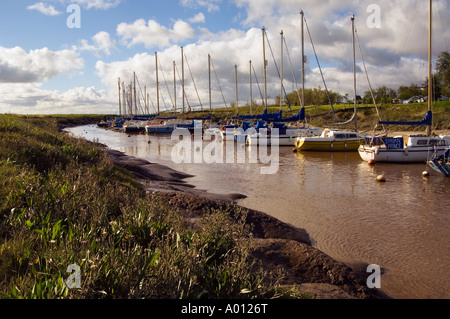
(120,100)
(209,71)
(175,85)
(265,66)
(303,60)
(124,99)
(354,71)
(281,71)
(135,94)
(251,89)
(237,93)
(182,76)
(430,64)
(157,80)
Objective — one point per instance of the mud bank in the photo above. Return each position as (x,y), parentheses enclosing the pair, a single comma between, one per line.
(278,246)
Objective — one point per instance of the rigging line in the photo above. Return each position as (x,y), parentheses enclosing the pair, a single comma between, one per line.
(218,82)
(185,95)
(293,73)
(367,75)
(405,41)
(320,68)
(142,95)
(257,82)
(442,26)
(167,86)
(164,100)
(278,70)
(195,86)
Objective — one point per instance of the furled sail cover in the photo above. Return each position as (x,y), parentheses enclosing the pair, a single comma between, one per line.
(427,120)
(301,116)
(273,117)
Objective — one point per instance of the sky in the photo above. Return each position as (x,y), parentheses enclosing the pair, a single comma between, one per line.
(66,57)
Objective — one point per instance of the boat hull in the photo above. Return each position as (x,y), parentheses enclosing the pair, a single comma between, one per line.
(288,139)
(326,145)
(411,153)
(164,129)
(442,168)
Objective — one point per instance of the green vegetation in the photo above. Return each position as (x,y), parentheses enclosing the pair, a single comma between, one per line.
(63,202)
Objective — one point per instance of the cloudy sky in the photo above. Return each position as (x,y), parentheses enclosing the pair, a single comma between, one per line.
(53,62)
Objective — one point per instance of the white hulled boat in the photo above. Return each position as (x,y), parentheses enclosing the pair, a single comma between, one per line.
(410,148)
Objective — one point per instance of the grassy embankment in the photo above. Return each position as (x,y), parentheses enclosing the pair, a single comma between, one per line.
(63,202)
(367,116)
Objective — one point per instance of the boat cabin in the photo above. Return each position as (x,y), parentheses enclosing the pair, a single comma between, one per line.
(340,134)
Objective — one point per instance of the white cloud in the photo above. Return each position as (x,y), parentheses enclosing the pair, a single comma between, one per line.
(97,4)
(153,34)
(199,18)
(18,66)
(32,99)
(210,5)
(44,8)
(102,44)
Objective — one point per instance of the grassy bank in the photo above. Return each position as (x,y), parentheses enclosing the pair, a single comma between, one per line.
(63,202)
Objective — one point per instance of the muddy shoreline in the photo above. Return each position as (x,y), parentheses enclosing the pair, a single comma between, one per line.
(277,245)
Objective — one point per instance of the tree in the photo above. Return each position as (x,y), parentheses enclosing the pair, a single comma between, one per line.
(437,87)
(407,92)
(443,72)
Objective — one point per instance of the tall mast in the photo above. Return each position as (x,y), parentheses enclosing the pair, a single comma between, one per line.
(157,81)
(303,60)
(281,71)
(135,94)
(430,65)
(182,76)
(237,93)
(175,84)
(120,101)
(251,89)
(354,69)
(124,99)
(265,66)
(209,71)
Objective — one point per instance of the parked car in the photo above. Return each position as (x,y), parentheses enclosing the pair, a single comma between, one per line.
(415,99)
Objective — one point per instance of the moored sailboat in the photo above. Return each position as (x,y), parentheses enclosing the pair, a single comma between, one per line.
(410,148)
(333,140)
(441,164)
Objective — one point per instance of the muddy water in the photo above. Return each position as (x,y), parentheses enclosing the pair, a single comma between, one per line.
(402,225)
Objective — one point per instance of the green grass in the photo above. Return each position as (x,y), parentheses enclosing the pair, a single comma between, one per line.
(62,202)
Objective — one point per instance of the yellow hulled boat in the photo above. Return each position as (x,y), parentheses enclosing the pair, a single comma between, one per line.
(332,141)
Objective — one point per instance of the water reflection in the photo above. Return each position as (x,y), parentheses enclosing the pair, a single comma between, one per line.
(402,225)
